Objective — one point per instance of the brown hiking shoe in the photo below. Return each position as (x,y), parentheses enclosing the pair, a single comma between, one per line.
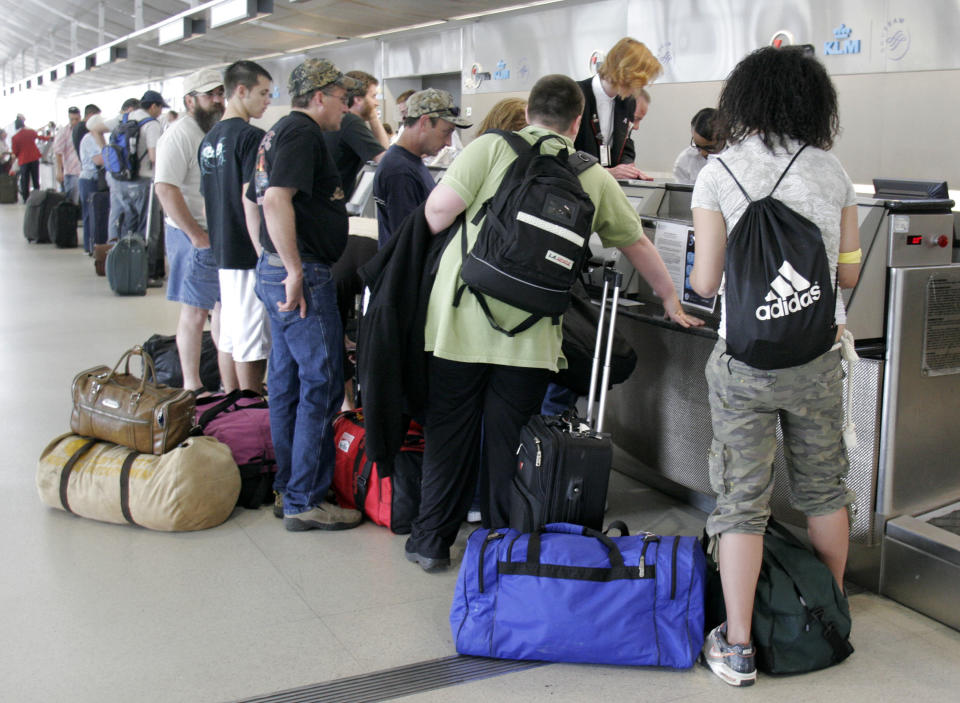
(325,516)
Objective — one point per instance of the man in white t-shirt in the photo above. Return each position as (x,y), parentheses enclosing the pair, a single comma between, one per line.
(193,280)
(130,199)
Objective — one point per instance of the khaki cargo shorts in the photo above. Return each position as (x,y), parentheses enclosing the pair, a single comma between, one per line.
(745,404)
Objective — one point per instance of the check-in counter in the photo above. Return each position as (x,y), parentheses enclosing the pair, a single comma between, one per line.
(904,459)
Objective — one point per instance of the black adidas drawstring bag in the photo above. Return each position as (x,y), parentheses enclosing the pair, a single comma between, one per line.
(780,304)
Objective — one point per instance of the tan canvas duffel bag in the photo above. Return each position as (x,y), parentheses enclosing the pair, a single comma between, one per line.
(191,487)
(130,410)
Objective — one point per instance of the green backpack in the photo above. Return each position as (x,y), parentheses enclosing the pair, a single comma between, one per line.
(801,619)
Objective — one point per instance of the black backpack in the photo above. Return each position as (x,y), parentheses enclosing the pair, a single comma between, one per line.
(779,299)
(120,156)
(535,234)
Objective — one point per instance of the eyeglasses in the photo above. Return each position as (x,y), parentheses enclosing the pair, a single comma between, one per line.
(714,148)
(217,92)
(453,111)
(342,98)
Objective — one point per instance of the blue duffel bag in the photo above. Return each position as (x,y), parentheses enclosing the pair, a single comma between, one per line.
(571,594)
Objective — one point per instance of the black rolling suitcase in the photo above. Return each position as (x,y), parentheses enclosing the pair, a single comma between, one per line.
(563,463)
(99,204)
(63,224)
(40,204)
(126,266)
(8,187)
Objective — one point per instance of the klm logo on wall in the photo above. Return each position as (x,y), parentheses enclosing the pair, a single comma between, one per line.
(842,43)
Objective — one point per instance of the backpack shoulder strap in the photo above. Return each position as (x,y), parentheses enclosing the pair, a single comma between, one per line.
(799,151)
(145,120)
(742,190)
(580,161)
(516,142)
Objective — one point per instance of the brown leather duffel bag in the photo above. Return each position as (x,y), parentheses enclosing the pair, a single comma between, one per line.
(100,252)
(135,412)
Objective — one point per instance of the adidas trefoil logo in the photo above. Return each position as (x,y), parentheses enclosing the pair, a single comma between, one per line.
(789,293)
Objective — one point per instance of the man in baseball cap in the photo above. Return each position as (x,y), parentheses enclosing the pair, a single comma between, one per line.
(194,280)
(402,182)
(153,99)
(303,232)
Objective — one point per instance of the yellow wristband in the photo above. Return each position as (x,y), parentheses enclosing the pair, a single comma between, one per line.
(849,257)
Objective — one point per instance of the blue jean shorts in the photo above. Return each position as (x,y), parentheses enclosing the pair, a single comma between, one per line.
(194,278)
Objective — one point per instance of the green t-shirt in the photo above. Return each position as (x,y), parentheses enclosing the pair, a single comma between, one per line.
(463,333)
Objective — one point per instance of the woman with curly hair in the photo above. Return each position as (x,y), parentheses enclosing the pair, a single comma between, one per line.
(609,110)
(778,114)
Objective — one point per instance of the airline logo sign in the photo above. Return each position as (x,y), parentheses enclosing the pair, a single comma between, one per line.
(789,293)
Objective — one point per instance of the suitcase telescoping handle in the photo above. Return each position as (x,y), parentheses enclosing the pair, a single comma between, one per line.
(611,277)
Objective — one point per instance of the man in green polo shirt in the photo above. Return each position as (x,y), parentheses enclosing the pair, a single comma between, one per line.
(484,385)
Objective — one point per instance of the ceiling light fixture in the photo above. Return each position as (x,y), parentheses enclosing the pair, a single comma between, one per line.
(422,25)
(237,10)
(108,54)
(182,28)
(496,11)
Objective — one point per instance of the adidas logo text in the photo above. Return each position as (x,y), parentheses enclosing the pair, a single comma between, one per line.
(789,293)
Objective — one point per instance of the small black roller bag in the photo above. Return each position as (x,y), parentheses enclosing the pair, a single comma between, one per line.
(62,224)
(126,266)
(37,217)
(99,204)
(563,463)
(8,188)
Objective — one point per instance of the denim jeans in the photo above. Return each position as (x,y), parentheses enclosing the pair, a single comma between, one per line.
(305,373)
(128,207)
(70,187)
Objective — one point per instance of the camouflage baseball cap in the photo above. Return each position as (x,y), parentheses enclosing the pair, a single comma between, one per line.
(435,103)
(314,74)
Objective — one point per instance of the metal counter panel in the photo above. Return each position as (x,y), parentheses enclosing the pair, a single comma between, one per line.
(919,450)
(660,417)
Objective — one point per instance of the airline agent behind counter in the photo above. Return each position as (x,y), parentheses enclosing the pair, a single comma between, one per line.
(609,106)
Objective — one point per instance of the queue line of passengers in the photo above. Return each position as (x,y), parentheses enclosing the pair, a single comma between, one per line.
(256,220)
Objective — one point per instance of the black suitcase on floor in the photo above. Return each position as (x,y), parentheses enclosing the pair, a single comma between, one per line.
(563,463)
(8,188)
(40,204)
(63,224)
(126,266)
(99,204)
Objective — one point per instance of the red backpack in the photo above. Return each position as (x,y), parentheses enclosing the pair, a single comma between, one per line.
(391,501)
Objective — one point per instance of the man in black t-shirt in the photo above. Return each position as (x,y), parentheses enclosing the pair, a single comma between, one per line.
(361,137)
(402,182)
(303,232)
(228,156)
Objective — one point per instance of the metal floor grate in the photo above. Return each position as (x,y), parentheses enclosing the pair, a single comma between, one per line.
(401,681)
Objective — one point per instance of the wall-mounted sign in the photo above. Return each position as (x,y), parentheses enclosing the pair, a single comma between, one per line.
(476,77)
(502,73)
(895,39)
(665,54)
(596,58)
(842,43)
(782,38)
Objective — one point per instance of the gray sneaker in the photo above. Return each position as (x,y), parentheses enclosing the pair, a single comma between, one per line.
(325,516)
(733,663)
(277,504)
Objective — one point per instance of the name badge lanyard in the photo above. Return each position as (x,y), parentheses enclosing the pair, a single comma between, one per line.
(598,135)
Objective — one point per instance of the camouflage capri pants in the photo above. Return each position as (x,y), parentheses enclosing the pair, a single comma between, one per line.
(745,403)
